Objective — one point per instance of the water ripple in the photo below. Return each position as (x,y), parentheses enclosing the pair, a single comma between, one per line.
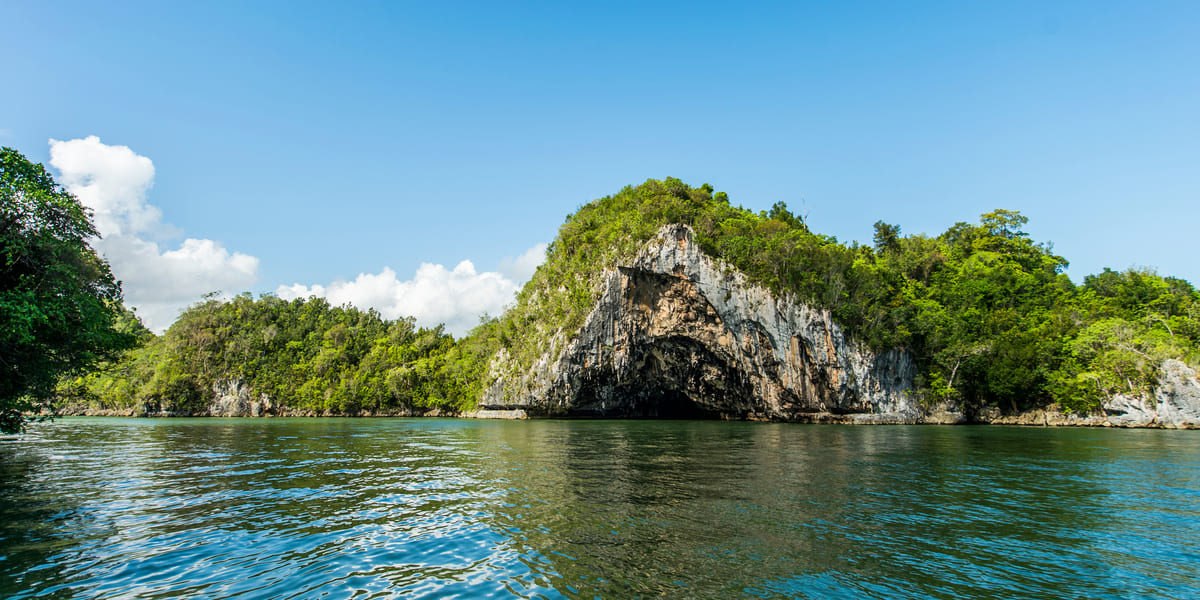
(212,508)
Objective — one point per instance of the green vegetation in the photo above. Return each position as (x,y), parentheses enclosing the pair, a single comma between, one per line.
(305,355)
(986,311)
(58,301)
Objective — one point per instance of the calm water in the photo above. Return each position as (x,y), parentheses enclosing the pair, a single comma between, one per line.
(343,508)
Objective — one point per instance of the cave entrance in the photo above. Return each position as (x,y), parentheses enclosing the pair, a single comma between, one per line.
(672,404)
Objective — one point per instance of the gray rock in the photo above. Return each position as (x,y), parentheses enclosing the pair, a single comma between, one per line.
(234,398)
(1130,411)
(676,334)
(1178,396)
(945,413)
(1174,405)
(496,414)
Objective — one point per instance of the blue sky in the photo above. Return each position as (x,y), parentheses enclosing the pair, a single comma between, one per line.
(329,141)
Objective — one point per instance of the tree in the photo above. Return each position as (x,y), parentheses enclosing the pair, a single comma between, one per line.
(887,237)
(1004,224)
(58,300)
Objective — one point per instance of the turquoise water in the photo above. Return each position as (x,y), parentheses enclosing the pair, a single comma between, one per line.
(379,508)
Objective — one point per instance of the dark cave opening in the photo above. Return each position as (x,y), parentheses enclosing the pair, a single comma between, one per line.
(672,377)
(670,404)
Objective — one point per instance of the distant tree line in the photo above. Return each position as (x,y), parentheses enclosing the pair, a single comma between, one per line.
(304,354)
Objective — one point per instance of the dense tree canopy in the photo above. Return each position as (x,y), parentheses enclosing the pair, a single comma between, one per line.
(305,355)
(58,300)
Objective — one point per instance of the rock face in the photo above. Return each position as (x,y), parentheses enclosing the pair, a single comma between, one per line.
(676,335)
(1174,405)
(233,398)
(1178,396)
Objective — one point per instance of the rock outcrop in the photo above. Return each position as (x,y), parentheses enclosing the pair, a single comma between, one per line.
(675,334)
(233,398)
(1174,405)
(1177,397)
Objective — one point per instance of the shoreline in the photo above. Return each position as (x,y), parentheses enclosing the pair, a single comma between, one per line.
(1034,418)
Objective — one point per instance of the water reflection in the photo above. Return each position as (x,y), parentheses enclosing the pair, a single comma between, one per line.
(718,509)
(346,508)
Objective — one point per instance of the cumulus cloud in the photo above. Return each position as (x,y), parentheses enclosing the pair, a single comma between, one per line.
(114,181)
(434,295)
(521,268)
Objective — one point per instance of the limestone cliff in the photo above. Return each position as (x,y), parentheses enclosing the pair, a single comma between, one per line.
(674,334)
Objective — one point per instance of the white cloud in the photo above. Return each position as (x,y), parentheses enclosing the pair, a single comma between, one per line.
(113,181)
(110,180)
(434,295)
(522,267)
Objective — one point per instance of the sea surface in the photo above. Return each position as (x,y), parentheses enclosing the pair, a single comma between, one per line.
(428,508)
